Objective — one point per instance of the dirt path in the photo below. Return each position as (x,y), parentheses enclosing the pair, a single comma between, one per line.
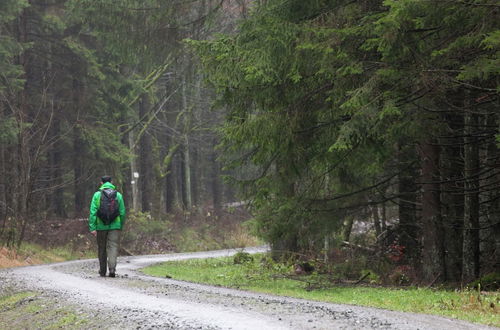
(135,301)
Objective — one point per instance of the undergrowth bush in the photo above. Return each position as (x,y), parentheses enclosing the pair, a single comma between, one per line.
(184,231)
(146,234)
(488,282)
(242,257)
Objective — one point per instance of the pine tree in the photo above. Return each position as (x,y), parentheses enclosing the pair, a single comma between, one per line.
(323,96)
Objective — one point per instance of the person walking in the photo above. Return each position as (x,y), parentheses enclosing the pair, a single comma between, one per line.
(106,219)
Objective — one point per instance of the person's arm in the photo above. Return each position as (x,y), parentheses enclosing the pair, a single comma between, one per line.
(94,206)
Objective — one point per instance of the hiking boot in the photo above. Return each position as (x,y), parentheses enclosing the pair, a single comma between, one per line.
(101,274)
(112,274)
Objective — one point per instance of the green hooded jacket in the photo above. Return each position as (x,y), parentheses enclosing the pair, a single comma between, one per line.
(94,222)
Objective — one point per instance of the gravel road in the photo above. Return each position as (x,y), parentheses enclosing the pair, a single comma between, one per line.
(136,301)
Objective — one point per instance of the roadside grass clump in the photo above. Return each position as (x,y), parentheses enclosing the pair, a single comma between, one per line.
(262,274)
(242,257)
(67,319)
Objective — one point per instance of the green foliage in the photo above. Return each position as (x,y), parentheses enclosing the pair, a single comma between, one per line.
(9,9)
(372,277)
(104,143)
(10,77)
(93,66)
(126,46)
(8,130)
(133,32)
(65,101)
(288,119)
(319,93)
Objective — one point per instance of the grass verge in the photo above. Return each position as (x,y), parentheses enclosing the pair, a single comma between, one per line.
(32,254)
(262,275)
(29,310)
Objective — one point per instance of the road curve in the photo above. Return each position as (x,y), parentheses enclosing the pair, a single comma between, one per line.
(137,301)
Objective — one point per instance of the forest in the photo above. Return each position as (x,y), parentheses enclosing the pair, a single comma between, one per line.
(322,117)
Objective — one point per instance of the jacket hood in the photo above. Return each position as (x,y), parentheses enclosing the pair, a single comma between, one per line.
(107,185)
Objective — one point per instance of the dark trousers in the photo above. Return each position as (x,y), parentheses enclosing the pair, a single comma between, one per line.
(108,242)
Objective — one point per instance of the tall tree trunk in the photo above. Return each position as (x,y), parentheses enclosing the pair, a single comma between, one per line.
(179,180)
(376,221)
(56,167)
(470,264)
(195,176)
(486,155)
(452,200)
(135,176)
(182,179)
(215,186)
(432,254)
(195,148)
(169,190)
(228,191)
(78,155)
(145,160)
(78,173)
(169,178)
(348,223)
(21,191)
(286,239)
(383,219)
(408,226)
(3,178)
(186,150)
(187,173)
(493,210)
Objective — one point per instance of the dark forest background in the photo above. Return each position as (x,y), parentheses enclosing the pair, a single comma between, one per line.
(370,124)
